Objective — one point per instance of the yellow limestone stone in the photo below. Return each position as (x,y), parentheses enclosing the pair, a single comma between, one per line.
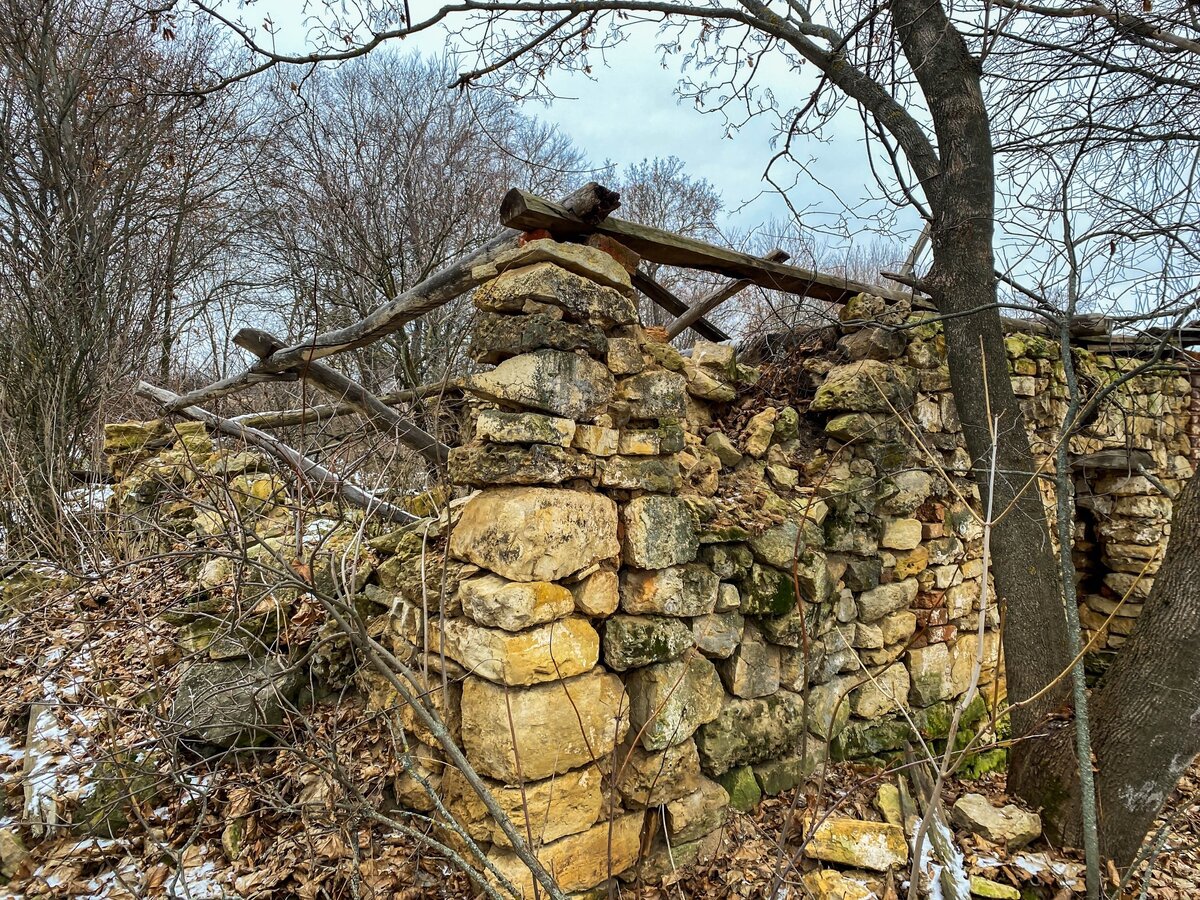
(546,653)
(552,727)
(829,884)
(513,605)
(579,861)
(557,806)
(863,845)
(535,533)
(578,258)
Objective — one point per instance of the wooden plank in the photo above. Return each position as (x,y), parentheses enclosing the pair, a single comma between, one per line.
(591,202)
(526,211)
(706,305)
(230,385)
(284,418)
(262,345)
(294,458)
(674,305)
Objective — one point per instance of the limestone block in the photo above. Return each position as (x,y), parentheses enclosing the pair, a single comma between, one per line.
(633,641)
(669,701)
(696,814)
(580,298)
(579,861)
(641,473)
(650,441)
(830,884)
(557,806)
(767,591)
(709,355)
(900,534)
(742,787)
(555,727)
(778,775)
(829,706)
(705,385)
(546,653)
(931,678)
(758,434)
(593,262)
(750,731)
(887,598)
(1010,826)
(497,337)
(625,356)
(898,626)
(513,605)
(728,598)
(753,668)
(596,595)
(563,384)
(913,563)
(596,440)
(686,590)
(656,394)
(865,386)
(888,691)
(482,465)
(654,777)
(873,343)
(717,634)
(729,561)
(862,845)
(536,534)
(724,448)
(660,531)
(523,428)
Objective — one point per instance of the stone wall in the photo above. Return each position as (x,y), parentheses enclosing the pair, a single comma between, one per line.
(663,590)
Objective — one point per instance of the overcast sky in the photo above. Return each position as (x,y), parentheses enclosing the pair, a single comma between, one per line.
(628,111)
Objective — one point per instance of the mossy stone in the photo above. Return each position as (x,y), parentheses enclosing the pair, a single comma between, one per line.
(742,788)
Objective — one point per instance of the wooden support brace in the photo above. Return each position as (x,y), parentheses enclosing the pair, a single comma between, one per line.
(294,458)
(696,313)
(262,345)
(674,305)
(284,418)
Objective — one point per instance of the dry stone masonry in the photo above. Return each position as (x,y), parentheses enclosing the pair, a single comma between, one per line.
(660,593)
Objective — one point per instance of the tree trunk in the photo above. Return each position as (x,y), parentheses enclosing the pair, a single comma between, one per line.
(1145,710)
(962,283)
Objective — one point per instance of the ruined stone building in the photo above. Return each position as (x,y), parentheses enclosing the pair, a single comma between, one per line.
(676,582)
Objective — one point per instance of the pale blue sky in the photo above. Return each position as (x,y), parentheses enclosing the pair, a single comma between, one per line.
(628,111)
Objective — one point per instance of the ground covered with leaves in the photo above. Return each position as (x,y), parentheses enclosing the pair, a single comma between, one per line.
(100,801)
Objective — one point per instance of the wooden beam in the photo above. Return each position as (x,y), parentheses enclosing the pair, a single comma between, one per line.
(230,385)
(294,458)
(674,305)
(284,418)
(703,307)
(263,345)
(590,203)
(526,211)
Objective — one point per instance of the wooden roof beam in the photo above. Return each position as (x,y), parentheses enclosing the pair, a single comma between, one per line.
(528,212)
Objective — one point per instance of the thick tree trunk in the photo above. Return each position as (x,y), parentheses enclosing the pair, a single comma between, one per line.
(1145,710)
(963,285)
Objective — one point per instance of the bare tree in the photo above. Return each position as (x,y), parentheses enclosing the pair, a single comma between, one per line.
(931,83)
(375,178)
(110,185)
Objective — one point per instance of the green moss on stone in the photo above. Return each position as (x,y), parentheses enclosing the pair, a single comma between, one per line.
(742,788)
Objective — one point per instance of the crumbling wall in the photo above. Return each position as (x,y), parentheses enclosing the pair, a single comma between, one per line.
(663,591)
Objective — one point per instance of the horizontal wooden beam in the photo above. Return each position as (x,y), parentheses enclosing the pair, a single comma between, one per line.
(528,212)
